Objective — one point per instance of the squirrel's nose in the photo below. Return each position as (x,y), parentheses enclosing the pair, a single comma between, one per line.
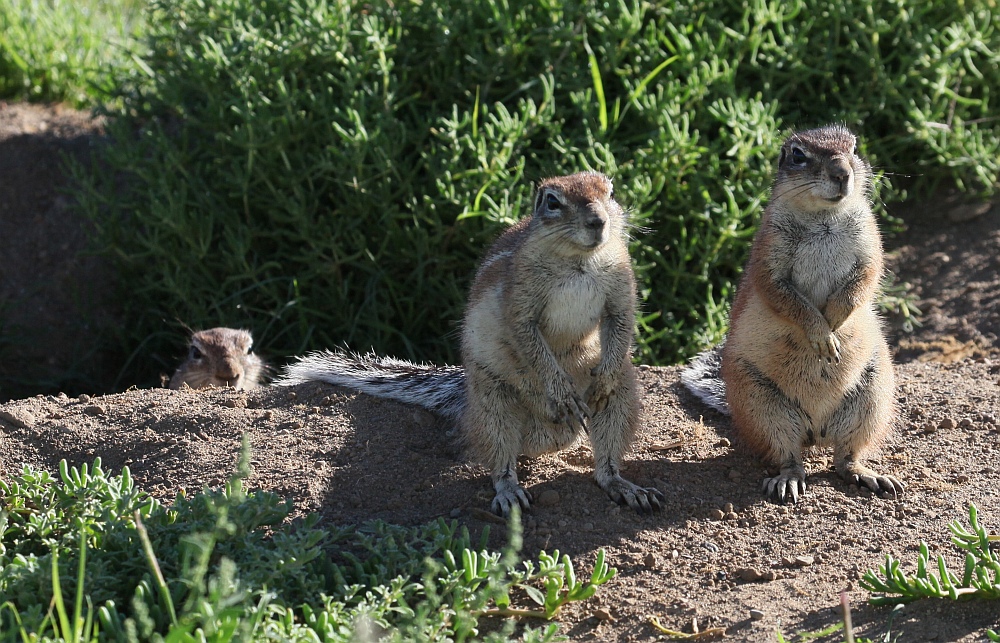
(840,172)
(229,372)
(595,222)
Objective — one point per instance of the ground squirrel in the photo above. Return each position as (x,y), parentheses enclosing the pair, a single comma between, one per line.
(805,361)
(546,346)
(220,357)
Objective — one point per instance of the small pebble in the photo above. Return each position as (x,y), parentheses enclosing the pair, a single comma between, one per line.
(723,442)
(749,574)
(808,510)
(803,561)
(717,514)
(756,615)
(84,398)
(734,474)
(603,615)
(965,423)
(728,508)
(674,554)
(947,423)
(20,420)
(95,409)
(960,478)
(650,560)
(548,498)
(732,515)
(455,513)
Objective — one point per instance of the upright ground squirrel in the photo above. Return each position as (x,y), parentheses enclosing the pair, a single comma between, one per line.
(805,361)
(220,357)
(546,346)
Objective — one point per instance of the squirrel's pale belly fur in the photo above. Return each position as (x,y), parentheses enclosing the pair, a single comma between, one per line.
(833,246)
(783,354)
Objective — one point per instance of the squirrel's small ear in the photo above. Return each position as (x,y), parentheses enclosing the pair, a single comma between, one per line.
(539,193)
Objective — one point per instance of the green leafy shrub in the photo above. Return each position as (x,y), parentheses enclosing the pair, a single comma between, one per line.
(60,50)
(227,565)
(328,174)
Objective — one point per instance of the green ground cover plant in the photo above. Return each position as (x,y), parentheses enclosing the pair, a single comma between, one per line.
(980,575)
(63,50)
(328,173)
(87,556)
(980,579)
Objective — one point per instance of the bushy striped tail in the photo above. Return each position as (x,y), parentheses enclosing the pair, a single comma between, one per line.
(703,377)
(440,389)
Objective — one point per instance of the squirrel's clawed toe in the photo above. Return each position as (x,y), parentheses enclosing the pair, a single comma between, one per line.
(887,485)
(508,498)
(571,411)
(643,499)
(785,487)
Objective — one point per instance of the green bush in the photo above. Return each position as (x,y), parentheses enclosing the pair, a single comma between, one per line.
(60,50)
(327,173)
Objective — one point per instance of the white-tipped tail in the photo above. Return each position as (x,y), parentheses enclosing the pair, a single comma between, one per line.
(440,389)
(703,377)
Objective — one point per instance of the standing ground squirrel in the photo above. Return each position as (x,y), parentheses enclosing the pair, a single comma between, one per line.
(805,361)
(546,346)
(220,357)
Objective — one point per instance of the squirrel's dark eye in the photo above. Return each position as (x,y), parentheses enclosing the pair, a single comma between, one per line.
(798,156)
(195,353)
(552,203)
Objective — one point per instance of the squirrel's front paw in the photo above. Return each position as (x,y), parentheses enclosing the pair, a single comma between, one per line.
(827,346)
(600,391)
(568,408)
